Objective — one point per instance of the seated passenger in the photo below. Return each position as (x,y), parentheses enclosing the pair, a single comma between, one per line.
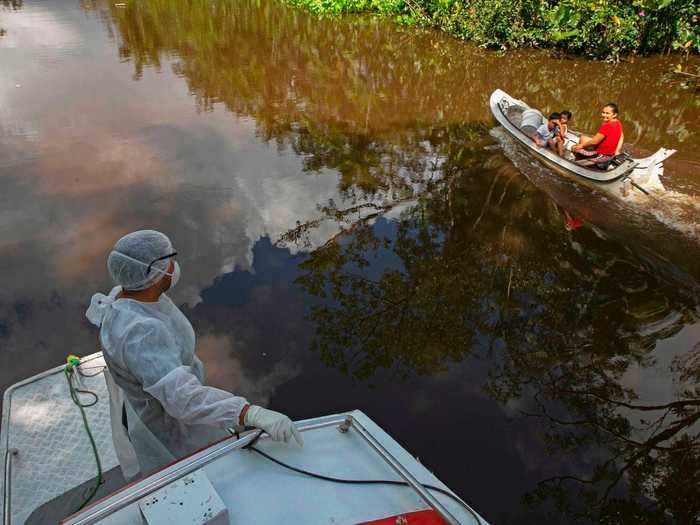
(564,118)
(545,134)
(605,144)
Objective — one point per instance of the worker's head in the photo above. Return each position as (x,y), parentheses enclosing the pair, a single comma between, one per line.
(609,112)
(143,259)
(553,120)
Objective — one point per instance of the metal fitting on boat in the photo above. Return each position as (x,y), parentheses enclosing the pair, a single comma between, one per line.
(345,425)
(626,186)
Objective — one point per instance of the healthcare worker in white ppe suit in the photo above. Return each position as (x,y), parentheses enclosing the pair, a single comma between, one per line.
(149,347)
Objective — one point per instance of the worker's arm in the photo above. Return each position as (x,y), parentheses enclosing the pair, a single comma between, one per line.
(154,358)
(187,400)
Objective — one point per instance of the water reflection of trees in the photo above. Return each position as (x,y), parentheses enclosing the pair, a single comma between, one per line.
(469,269)
(358,80)
(477,260)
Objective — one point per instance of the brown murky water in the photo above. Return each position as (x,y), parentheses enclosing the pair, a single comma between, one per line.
(354,235)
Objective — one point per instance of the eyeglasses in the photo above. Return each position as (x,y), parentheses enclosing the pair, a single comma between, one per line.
(159,259)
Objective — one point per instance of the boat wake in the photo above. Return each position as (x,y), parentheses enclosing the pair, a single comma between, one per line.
(677,210)
(669,208)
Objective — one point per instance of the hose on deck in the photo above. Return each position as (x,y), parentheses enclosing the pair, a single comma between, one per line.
(72,363)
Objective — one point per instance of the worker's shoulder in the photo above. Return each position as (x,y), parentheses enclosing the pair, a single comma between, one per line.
(134,320)
(146,339)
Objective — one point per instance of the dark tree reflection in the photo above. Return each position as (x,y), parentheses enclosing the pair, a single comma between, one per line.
(473,262)
(456,274)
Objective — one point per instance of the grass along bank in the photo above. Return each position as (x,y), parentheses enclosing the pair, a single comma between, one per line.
(601,29)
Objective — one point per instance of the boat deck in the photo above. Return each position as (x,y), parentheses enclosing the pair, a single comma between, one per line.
(54,464)
(43,425)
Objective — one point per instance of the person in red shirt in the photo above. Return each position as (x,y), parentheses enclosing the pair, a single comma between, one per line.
(605,144)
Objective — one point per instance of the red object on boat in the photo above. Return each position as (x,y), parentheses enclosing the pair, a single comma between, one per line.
(419,517)
(573,223)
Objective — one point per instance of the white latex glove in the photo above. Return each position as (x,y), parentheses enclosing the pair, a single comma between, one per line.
(278,426)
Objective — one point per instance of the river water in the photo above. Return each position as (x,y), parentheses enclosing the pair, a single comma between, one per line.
(354,233)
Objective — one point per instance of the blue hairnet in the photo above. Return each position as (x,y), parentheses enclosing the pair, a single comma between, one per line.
(129,260)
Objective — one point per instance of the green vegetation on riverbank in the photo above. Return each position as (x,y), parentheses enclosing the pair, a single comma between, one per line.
(596,28)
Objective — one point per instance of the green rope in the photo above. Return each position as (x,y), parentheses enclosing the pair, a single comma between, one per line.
(69,371)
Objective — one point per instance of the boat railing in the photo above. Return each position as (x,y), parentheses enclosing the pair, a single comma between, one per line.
(133,493)
(7,493)
(402,471)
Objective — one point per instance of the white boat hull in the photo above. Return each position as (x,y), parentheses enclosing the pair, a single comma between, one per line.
(643,172)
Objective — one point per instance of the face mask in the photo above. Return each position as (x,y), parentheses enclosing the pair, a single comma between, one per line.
(175,276)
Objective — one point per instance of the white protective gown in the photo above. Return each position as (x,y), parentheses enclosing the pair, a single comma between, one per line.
(149,350)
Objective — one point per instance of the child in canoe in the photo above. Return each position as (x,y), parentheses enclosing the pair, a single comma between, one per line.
(546,134)
(563,144)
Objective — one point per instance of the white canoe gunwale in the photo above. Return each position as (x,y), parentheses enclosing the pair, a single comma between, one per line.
(637,169)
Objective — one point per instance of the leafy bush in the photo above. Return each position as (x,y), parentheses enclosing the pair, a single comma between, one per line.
(337,7)
(492,23)
(605,29)
(598,29)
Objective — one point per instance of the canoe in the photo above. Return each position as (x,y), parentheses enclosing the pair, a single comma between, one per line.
(520,120)
(49,467)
